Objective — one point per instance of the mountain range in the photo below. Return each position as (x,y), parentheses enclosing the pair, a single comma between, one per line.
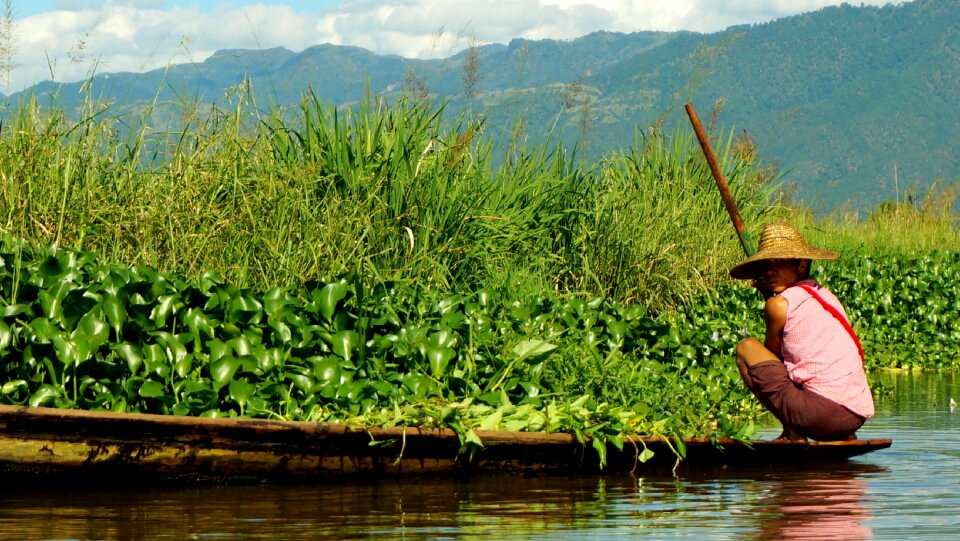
(857,105)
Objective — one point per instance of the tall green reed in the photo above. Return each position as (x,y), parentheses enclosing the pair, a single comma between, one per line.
(921,222)
(295,194)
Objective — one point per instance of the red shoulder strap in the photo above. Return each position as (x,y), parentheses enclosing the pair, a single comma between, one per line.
(835,313)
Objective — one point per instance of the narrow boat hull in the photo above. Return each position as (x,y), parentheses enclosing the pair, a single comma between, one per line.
(55,443)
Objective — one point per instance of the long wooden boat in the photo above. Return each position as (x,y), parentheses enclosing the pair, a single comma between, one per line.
(62,444)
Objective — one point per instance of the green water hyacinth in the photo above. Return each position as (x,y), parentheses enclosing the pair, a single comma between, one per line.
(77,333)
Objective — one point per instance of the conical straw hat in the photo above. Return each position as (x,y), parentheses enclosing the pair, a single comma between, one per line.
(779,241)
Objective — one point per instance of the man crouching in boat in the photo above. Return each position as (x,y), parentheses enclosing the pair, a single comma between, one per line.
(808,371)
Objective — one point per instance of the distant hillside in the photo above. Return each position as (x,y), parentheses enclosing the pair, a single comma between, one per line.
(847,100)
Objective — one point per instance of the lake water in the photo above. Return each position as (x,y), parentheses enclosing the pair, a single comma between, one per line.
(909,491)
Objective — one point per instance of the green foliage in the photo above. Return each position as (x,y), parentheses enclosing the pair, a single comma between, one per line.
(905,307)
(78,333)
(75,333)
(317,191)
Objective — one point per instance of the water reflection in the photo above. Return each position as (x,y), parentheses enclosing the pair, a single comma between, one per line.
(906,492)
(819,505)
(486,507)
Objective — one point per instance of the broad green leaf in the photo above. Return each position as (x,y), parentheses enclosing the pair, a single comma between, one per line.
(439,358)
(151,389)
(281,331)
(351,391)
(243,308)
(248,363)
(600,446)
(72,351)
(167,306)
(52,267)
(115,311)
(241,391)
(681,447)
(51,300)
(268,359)
(492,421)
(6,337)
(344,343)
(327,372)
(199,323)
(330,297)
(618,330)
(14,386)
(44,330)
(131,355)
(302,381)
(277,301)
(241,345)
(183,366)
(444,338)
(223,369)
(533,350)
(155,359)
(687,352)
(45,396)
(173,348)
(218,349)
(93,328)
(209,280)
(471,438)
(14,310)
(421,386)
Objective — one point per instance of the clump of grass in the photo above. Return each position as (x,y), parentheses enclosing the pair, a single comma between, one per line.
(917,224)
(292,195)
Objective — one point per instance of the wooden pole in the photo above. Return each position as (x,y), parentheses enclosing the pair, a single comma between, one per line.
(728,201)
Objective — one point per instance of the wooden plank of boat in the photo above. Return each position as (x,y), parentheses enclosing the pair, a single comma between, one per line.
(138,447)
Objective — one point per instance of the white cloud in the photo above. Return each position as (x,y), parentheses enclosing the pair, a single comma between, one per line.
(138,35)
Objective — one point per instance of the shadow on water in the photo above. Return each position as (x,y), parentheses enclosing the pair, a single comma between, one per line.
(907,491)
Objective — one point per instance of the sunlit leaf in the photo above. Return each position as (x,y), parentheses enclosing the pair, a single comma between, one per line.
(223,369)
(6,336)
(166,307)
(492,421)
(439,358)
(45,396)
(151,389)
(94,329)
(130,353)
(344,343)
(44,330)
(327,372)
(115,311)
(533,350)
(330,297)
(244,308)
(241,391)
(51,300)
(199,323)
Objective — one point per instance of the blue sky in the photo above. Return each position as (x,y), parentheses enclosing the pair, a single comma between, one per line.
(68,40)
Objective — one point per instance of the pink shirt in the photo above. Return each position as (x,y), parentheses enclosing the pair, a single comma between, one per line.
(820,354)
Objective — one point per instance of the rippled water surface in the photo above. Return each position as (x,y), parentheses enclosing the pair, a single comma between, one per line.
(910,491)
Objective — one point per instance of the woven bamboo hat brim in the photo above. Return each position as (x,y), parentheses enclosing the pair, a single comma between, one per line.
(779,241)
